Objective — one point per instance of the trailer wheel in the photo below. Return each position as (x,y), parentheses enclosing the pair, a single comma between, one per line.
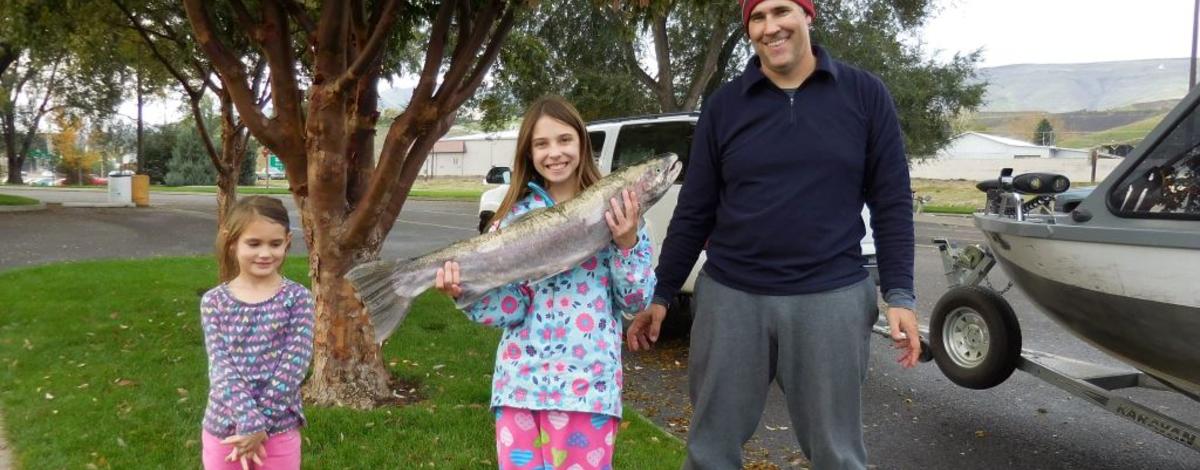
(975,337)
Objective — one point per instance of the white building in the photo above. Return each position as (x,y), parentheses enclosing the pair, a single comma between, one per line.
(470,155)
(979,156)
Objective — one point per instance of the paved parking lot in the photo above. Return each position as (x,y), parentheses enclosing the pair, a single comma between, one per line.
(914,418)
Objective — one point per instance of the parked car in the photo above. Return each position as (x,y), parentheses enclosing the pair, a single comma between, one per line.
(47,181)
(271,173)
(618,142)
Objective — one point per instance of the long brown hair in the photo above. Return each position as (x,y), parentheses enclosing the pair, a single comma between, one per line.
(236,221)
(559,109)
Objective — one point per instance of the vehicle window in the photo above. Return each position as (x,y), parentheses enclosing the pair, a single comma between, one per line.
(597,138)
(1166,183)
(637,142)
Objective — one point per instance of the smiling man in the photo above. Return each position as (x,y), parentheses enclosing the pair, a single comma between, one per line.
(783,159)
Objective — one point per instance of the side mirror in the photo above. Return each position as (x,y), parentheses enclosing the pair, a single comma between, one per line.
(498,175)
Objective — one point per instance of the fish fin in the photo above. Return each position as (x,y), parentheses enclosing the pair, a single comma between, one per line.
(379,286)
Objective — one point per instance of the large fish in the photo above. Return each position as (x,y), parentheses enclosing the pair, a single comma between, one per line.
(540,244)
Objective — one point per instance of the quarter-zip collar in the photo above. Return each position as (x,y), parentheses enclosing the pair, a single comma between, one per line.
(753,74)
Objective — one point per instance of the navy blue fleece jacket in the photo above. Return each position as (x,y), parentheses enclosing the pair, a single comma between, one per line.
(776,182)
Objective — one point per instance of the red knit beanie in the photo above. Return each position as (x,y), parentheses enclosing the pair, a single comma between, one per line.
(748,6)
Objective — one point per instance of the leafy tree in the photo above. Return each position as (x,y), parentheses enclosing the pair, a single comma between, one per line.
(76,161)
(49,62)
(160,28)
(324,60)
(189,164)
(156,151)
(698,45)
(1044,133)
(689,40)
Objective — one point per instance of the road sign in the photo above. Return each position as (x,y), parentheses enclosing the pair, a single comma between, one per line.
(274,163)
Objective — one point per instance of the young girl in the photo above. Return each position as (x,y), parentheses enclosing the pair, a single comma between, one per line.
(556,390)
(258,330)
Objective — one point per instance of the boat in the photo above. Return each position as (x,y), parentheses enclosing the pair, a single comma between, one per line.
(1117,266)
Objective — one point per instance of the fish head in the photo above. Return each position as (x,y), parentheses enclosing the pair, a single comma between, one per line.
(652,178)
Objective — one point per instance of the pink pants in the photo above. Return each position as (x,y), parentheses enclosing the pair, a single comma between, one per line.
(535,439)
(283,453)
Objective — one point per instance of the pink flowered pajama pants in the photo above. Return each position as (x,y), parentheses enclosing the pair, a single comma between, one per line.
(545,440)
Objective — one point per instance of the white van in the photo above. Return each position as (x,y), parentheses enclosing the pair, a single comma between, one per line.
(616,142)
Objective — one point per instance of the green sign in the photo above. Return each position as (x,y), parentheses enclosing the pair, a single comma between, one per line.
(274,162)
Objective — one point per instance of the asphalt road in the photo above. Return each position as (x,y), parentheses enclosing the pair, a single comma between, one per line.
(913,418)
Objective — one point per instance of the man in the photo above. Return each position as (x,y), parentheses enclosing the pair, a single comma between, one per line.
(783,159)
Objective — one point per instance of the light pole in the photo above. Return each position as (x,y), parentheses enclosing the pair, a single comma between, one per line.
(1195,26)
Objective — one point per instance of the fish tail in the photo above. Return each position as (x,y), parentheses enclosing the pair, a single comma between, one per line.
(387,289)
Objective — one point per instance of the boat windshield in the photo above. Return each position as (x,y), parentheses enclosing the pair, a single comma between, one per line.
(1166,182)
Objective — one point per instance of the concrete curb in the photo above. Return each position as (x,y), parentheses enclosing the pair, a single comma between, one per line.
(40,206)
(98,204)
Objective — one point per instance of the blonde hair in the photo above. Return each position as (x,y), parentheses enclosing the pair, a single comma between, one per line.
(559,109)
(240,216)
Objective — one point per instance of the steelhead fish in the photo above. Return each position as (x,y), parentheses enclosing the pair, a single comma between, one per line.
(539,244)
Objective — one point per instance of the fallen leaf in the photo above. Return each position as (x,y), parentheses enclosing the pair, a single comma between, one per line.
(121,442)
(49,396)
(124,382)
(981,434)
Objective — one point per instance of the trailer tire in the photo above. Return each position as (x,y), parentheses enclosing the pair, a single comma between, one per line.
(975,336)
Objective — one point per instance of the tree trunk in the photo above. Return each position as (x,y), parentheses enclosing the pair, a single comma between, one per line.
(350,370)
(140,102)
(229,168)
(15,159)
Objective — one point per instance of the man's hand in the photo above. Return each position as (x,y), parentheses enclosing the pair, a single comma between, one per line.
(643,331)
(903,325)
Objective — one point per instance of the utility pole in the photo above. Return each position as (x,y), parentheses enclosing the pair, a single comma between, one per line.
(1195,26)
(139,169)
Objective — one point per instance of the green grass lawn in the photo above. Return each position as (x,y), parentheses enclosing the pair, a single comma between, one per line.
(949,196)
(10,200)
(102,365)
(1132,132)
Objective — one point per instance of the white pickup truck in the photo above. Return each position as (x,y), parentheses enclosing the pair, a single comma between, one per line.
(616,142)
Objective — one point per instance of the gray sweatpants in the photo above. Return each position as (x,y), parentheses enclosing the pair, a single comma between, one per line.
(814,345)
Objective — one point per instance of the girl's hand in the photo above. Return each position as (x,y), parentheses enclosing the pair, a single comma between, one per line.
(448,280)
(247,448)
(623,220)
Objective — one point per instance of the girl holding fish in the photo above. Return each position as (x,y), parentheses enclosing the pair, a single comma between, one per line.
(556,387)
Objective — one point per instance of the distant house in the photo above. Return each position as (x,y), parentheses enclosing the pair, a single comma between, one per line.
(470,155)
(979,156)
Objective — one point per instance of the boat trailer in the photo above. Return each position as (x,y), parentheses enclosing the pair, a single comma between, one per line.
(975,339)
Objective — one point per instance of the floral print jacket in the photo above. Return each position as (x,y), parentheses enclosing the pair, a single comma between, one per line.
(561,347)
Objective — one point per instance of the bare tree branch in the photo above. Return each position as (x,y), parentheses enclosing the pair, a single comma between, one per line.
(371,53)
(234,79)
(662,53)
(703,73)
(193,93)
(486,60)
(464,51)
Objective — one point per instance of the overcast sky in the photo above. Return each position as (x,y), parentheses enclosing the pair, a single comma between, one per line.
(1061,31)
(1014,32)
